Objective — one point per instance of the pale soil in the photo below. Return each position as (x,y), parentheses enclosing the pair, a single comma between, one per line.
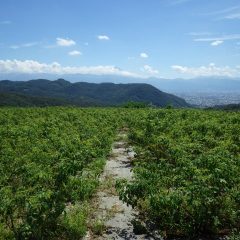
(111,215)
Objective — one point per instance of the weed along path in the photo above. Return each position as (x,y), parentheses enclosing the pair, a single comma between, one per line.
(112,219)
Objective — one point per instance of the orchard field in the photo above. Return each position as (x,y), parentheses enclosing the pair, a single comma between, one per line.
(50,158)
(186,169)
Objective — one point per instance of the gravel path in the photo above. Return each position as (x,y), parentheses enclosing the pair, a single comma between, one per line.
(115,215)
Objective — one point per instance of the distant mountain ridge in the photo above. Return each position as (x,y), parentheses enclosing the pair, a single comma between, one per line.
(61,92)
(198,84)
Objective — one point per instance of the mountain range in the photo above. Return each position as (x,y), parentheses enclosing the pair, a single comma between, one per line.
(42,92)
(199,84)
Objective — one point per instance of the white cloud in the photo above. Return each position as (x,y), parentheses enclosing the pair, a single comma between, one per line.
(200,33)
(220,38)
(233,16)
(65,42)
(25,45)
(143,55)
(30,44)
(31,66)
(217,42)
(103,37)
(232,13)
(14,47)
(74,53)
(210,70)
(150,70)
(223,11)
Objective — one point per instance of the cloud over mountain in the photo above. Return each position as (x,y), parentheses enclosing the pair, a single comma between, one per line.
(210,70)
(31,66)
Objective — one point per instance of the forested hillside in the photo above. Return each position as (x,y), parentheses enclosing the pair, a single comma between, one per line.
(61,92)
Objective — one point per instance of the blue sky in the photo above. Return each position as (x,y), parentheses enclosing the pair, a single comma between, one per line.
(162,38)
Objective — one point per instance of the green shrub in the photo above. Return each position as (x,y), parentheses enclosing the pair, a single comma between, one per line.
(74,221)
(186,171)
(98,227)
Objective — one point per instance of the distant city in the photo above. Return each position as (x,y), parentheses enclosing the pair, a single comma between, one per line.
(210,99)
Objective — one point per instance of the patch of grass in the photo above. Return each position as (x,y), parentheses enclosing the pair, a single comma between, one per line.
(121,137)
(5,233)
(97,166)
(108,185)
(75,221)
(98,227)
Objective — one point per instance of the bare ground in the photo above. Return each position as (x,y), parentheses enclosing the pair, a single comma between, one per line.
(111,218)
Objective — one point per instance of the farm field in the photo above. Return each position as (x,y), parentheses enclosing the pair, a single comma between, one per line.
(51,159)
(186,171)
(186,180)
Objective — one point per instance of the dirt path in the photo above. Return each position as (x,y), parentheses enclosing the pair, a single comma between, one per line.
(113,218)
